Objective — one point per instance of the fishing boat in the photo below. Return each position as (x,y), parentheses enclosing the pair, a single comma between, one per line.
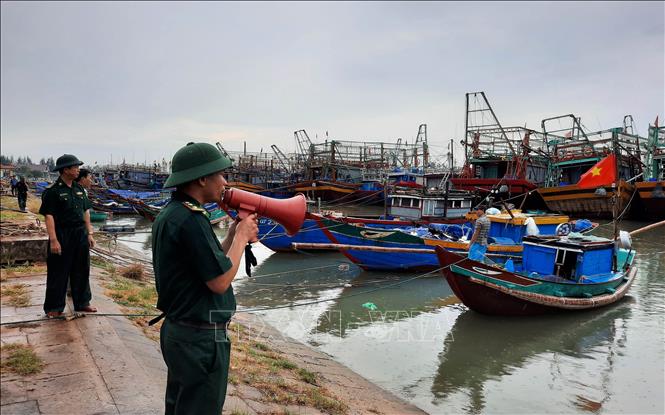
(429,205)
(150,212)
(651,191)
(414,249)
(111,206)
(504,161)
(575,152)
(556,274)
(274,236)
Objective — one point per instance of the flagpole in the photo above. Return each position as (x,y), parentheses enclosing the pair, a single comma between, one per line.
(617,191)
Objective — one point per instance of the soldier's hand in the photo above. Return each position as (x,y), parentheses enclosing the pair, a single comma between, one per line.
(248,228)
(232,227)
(55,247)
(91,241)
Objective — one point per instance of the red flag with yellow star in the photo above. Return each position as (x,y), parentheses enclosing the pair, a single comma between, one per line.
(601,174)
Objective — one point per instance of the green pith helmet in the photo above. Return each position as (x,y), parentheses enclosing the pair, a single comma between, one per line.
(66,160)
(193,161)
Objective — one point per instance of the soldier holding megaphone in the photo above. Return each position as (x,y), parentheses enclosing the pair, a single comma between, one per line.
(193,273)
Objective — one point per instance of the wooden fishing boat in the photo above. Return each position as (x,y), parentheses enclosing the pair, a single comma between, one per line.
(652,198)
(112,206)
(651,202)
(574,154)
(274,236)
(429,207)
(503,161)
(595,203)
(557,274)
(330,191)
(395,249)
(150,212)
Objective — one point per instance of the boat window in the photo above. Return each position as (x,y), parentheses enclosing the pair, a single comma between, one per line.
(565,264)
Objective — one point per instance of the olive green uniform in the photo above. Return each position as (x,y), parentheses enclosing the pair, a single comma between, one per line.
(187,254)
(67,205)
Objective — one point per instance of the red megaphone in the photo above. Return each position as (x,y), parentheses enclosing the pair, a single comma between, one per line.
(290,213)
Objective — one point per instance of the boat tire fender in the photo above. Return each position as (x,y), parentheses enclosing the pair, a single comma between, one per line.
(563,229)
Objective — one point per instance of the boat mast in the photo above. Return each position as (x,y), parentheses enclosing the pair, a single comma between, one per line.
(617,191)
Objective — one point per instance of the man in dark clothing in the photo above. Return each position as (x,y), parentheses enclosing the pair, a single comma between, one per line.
(193,274)
(67,214)
(22,193)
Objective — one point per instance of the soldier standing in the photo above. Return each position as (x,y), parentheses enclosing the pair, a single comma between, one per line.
(67,213)
(193,275)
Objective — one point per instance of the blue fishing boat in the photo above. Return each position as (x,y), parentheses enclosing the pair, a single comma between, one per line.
(556,274)
(274,236)
(413,249)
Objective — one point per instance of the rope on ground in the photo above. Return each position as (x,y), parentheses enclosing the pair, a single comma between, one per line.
(250,310)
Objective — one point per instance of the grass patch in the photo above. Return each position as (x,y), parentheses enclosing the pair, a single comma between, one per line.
(19,359)
(100,262)
(10,215)
(307,376)
(325,403)
(17,295)
(14,271)
(284,364)
(136,297)
(130,293)
(278,379)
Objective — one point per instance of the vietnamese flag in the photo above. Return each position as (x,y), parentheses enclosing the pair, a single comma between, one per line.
(601,174)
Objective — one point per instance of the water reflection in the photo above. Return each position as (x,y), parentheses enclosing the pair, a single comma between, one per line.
(482,349)
(396,298)
(285,278)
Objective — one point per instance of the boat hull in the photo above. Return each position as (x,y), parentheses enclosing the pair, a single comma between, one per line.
(652,199)
(378,260)
(492,291)
(575,201)
(515,186)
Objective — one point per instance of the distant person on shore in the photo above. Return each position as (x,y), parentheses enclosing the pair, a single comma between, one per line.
(478,242)
(193,275)
(67,211)
(84,179)
(13,182)
(22,193)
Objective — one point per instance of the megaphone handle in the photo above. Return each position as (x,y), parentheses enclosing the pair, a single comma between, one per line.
(250,260)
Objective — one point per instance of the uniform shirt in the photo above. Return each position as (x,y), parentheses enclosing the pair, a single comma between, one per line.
(66,204)
(483,228)
(185,254)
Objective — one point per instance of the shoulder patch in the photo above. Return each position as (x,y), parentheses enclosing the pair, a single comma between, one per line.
(191,206)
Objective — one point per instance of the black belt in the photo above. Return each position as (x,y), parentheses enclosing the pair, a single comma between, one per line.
(201,324)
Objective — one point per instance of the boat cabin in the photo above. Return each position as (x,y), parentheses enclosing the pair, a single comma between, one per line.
(419,206)
(573,258)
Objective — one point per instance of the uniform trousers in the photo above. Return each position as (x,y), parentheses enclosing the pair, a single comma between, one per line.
(198,368)
(72,264)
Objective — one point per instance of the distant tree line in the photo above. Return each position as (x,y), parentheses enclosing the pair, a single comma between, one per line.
(24,165)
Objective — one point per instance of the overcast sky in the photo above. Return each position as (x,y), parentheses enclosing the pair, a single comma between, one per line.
(139,80)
